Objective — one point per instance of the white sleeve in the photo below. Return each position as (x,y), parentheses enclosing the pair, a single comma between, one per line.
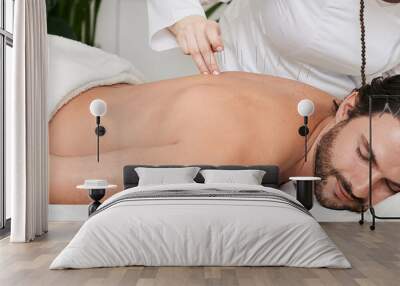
(164,13)
(393,71)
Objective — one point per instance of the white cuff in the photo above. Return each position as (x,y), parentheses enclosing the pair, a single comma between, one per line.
(160,37)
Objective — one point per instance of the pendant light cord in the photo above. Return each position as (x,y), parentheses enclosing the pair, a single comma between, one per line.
(363,84)
(363,48)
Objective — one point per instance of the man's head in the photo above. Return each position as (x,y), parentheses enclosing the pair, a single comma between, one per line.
(342,154)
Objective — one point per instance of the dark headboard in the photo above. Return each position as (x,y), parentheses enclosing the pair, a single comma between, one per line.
(271,177)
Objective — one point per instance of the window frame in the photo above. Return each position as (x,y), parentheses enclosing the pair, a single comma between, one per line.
(6,39)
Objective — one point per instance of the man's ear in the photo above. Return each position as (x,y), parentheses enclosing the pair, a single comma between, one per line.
(345,106)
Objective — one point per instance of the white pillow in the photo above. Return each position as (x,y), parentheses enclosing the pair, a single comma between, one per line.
(162,176)
(389,207)
(248,177)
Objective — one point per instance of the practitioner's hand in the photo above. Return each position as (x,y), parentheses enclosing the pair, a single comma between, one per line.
(199,38)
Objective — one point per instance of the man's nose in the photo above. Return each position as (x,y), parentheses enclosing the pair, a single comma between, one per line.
(360,186)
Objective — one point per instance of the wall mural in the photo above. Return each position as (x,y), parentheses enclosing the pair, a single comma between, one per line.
(235,118)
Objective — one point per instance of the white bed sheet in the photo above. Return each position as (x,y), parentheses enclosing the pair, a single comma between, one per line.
(222,232)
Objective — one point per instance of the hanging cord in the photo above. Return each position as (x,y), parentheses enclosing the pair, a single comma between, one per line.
(363,84)
(98,148)
(363,49)
(305,146)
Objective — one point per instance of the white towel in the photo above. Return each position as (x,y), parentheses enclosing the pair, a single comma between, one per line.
(75,67)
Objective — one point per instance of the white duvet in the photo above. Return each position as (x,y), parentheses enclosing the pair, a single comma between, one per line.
(200,231)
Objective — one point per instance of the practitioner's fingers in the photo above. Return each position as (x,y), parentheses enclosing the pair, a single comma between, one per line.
(199,37)
(207,52)
(214,65)
(194,51)
(181,39)
(213,33)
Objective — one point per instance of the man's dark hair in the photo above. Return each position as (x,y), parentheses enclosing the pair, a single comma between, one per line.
(388,87)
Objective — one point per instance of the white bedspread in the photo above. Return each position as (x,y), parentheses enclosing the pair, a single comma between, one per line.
(200,231)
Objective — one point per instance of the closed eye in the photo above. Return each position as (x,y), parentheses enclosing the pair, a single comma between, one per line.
(364,154)
(393,186)
(361,155)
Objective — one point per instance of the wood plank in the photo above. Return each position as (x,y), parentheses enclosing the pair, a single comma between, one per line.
(375,257)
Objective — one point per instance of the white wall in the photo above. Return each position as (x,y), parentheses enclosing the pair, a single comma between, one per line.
(122,28)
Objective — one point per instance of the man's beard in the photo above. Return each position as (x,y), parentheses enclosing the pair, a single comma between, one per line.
(325,169)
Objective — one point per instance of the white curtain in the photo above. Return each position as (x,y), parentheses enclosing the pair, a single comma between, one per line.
(26,124)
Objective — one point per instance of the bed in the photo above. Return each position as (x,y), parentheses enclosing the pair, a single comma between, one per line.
(201,224)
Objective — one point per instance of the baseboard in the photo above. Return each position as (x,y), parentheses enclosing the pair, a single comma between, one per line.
(68,212)
(80,213)
(340,216)
(5,231)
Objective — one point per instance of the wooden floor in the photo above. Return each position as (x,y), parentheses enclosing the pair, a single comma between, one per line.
(375,257)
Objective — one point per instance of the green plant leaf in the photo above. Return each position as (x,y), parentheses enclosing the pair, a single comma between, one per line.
(87,24)
(75,19)
(95,12)
(212,9)
(50,4)
(60,27)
